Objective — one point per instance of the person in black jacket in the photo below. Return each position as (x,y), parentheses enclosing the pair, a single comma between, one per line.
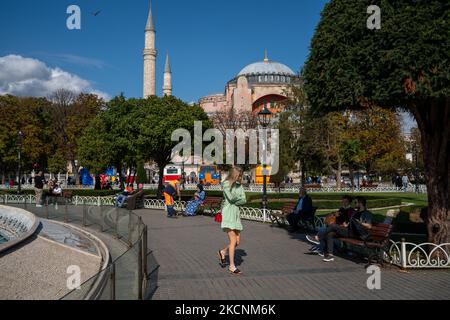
(98,182)
(303,210)
(39,182)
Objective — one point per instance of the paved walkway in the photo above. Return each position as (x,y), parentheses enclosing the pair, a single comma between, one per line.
(275,265)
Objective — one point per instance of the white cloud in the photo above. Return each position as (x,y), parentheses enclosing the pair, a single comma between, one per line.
(29,77)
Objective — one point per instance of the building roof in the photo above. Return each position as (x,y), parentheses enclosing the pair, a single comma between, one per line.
(266,67)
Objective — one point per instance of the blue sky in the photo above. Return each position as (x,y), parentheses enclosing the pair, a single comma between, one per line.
(209,41)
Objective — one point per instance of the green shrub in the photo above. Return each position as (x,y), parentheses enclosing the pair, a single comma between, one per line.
(330,204)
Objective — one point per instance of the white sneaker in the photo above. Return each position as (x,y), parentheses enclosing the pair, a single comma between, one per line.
(312,239)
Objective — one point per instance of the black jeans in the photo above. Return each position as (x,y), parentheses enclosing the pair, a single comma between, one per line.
(333,231)
(294,219)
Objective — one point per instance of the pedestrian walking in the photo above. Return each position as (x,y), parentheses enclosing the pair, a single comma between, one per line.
(39,182)
(234,196)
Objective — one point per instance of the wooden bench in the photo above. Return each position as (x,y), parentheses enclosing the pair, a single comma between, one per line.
(377,246)
(280,218)
(212,205)
(135,200)
(68,195)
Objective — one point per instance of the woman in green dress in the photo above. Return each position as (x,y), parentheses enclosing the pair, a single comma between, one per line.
(234,196)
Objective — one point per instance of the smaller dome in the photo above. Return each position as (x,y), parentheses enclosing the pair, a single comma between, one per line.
(267,67)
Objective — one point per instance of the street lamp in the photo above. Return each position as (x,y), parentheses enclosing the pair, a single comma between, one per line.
(264,117)
(183,174)
(19,144)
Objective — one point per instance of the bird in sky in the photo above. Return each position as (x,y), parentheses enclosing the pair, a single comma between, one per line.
(96,13)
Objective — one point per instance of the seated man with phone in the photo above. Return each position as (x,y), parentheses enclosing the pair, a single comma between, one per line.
(358,227)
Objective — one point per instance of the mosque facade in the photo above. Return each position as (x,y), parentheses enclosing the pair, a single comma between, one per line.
(263,83)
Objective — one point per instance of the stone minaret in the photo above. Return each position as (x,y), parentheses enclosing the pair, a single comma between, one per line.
(150,54)
(167,88)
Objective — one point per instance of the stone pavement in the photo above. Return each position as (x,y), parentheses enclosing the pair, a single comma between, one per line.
(275,266)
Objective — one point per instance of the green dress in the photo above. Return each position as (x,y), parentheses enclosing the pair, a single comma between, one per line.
(233,198)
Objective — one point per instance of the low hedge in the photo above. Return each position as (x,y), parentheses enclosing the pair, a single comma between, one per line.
(326,196)
(332,204)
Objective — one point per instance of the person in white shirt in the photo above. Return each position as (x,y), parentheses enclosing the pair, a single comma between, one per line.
(405,182)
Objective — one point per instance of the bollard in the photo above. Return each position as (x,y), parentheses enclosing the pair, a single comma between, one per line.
(403,253)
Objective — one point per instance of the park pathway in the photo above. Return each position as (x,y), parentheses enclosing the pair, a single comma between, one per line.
(275,264)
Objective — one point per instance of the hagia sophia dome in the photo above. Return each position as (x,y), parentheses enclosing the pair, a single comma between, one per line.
(259,84)
(263,68)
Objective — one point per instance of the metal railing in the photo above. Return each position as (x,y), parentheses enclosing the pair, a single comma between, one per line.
(409,255)
(421,189)
(128,275)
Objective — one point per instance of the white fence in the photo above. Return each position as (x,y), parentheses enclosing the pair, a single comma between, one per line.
(419,256)
(270,189)
(406,255)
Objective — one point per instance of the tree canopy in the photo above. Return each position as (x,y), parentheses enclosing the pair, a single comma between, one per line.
(350,66)
(404,65)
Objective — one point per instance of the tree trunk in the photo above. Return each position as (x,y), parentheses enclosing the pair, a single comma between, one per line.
(119,171)
(302,175)
(433,119)
(161,177)
(339,175)
(75,172)
(352,177)
(134,180)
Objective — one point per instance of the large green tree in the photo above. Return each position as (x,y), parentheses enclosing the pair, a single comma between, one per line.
(111,138)
(157,118)
(71,112)
(404,65)
(32,117)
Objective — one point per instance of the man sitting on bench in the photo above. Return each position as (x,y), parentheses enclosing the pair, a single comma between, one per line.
(357,228)
(341,217)
(302,211)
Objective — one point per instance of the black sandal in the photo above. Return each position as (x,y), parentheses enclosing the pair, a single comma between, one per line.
(235,272)
(222,260)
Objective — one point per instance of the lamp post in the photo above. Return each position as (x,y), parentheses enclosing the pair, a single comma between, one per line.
(264,117)
(183,175)
(19,144)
